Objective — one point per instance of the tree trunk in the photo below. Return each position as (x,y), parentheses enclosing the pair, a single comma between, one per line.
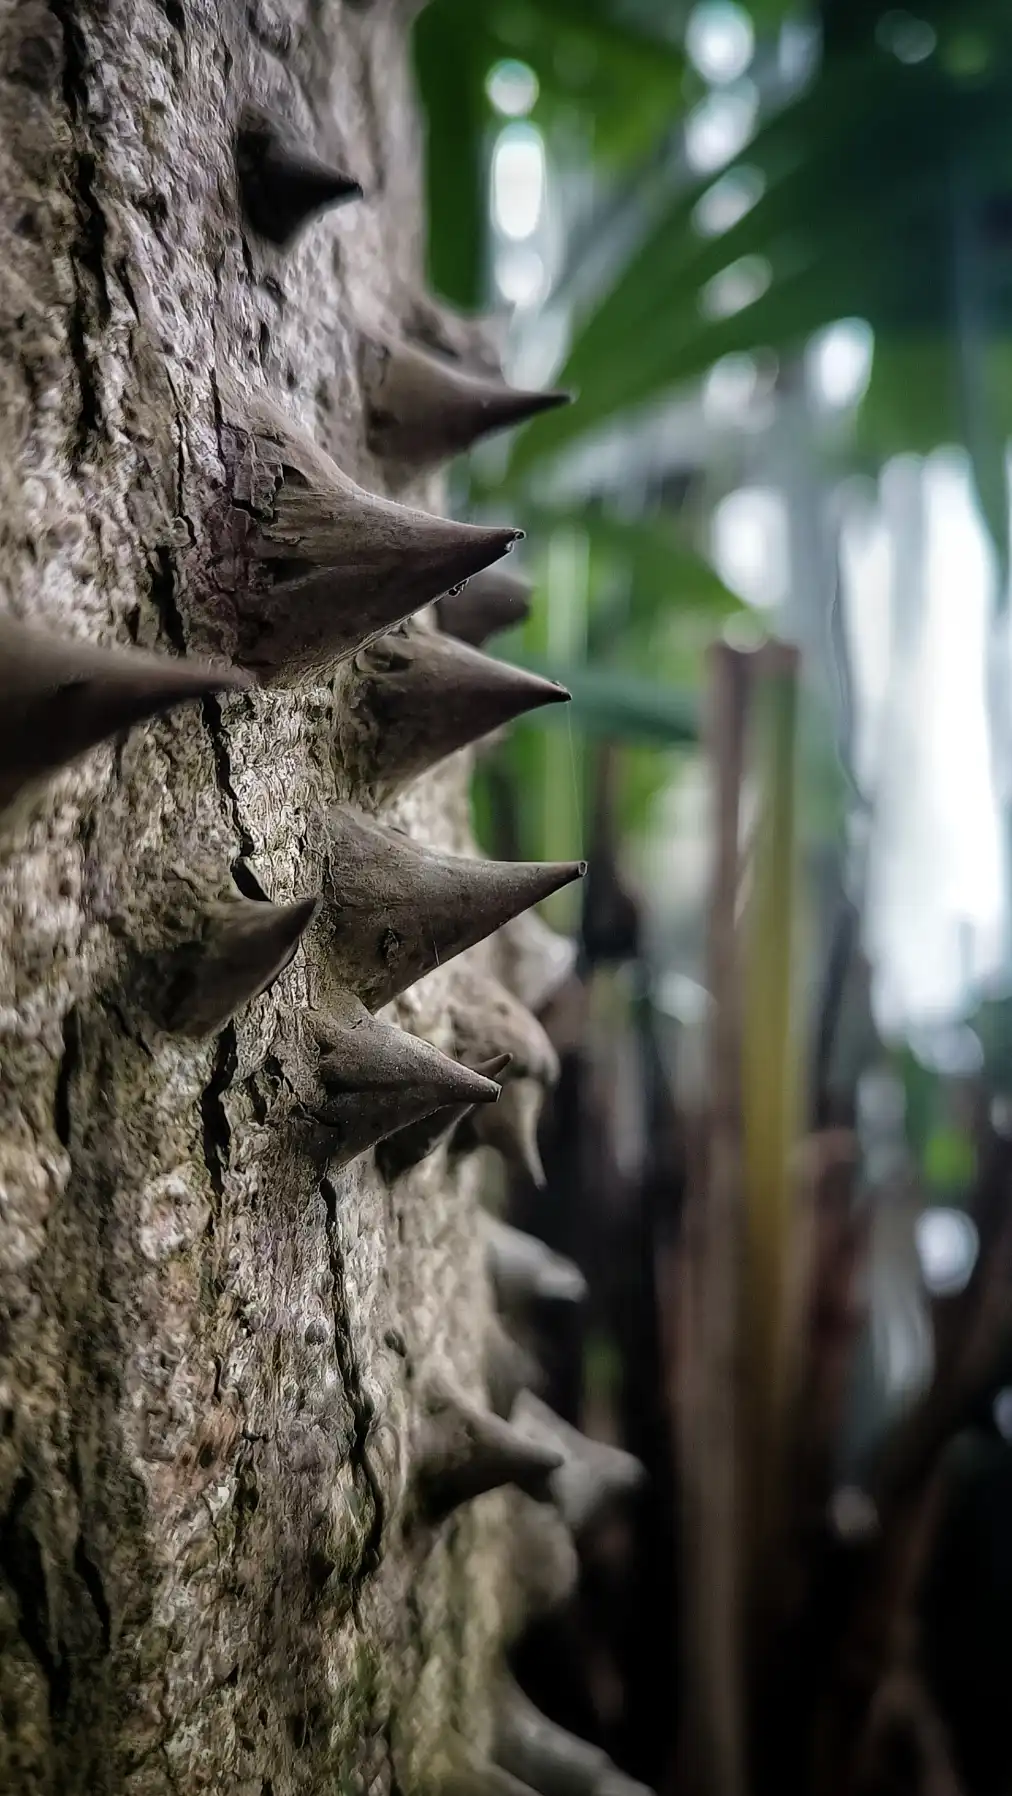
(212,1350)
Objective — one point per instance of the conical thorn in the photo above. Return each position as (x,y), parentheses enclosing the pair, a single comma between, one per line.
(535,962)
(482,1014)
(415,696)
(594,1474)
(465,1451)
(551,1760)
(331,567)
(60,697)
(464,1773)
(394,911)
(615,1783)
(546,1565)
(242,948)
(283,185)
(374,1078)
(516,1137)
(485,1018)
(476,340)
(490,602)
(509,1369)
(524,1271)
(421,409)
(409,1147)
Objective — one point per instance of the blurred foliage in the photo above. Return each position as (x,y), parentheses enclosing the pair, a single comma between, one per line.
(619,706)
(611,85)
(771,1072)
(879,189)
(642,569)
(900,214)
(950,1161)
(920,1095)
(615,81)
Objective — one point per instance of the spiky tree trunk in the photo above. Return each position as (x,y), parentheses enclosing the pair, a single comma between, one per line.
(226,1447)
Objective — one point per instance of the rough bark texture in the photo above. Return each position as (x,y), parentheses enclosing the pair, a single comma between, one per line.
(211,1357)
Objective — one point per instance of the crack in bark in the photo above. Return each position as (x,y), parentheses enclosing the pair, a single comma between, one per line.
(21,1564)
(69,1061)
(91,1578)
(216,405)
(85,1566)
(181,511)
(361,1406)
(217,1134)
(121,270)
(214,724)
(163,597)
(87,252)
(170,1769)
(175,15)
(212,713)
(247,881)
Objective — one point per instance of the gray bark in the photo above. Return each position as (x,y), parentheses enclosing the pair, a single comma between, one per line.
(211,1356)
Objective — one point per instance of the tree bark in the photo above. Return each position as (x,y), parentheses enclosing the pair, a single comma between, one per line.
(211,1355)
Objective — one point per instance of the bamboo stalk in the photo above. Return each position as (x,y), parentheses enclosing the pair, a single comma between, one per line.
(712,1741)
(770,1113)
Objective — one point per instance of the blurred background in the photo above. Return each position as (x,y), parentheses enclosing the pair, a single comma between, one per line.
(770,247)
